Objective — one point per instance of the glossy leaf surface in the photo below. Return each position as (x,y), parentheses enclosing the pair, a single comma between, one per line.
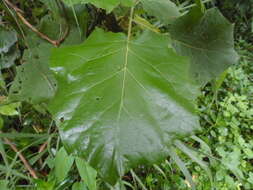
(121,102)
(207,39)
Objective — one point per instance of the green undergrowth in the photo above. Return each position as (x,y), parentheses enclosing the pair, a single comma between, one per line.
(227,116)
(225,108)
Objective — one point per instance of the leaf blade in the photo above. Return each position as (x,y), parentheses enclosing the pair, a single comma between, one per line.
(105,100)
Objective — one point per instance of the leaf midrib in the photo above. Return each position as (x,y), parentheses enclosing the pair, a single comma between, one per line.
(126,62)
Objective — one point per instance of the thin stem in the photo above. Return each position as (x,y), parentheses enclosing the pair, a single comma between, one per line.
(14,17)
(22,158)
(14,7)
(41,149)
(43,36)
(130,25)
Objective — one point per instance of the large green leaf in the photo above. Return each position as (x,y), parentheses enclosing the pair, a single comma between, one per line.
(164,10)
(207,39)
(120,102)
(108,5)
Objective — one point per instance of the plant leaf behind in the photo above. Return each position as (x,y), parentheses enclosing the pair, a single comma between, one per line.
(9,109)
(119,102)
(4,184)
(207,39)
(2,82)
(108,5)
(8,51)
(34,83)
(87,173)
(63,164)
(34,73)
(164,10)
(79,186)
(7,39)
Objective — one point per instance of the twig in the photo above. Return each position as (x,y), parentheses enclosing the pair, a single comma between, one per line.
(22,158)
(19,12)
(41,149)
(14,7)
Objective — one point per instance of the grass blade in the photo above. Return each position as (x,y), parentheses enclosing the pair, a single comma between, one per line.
(143,187)
(193,155)
(182,167)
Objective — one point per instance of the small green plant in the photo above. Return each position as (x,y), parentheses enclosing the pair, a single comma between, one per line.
(61,166)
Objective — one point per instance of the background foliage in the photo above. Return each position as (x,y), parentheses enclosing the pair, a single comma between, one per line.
(225,107)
